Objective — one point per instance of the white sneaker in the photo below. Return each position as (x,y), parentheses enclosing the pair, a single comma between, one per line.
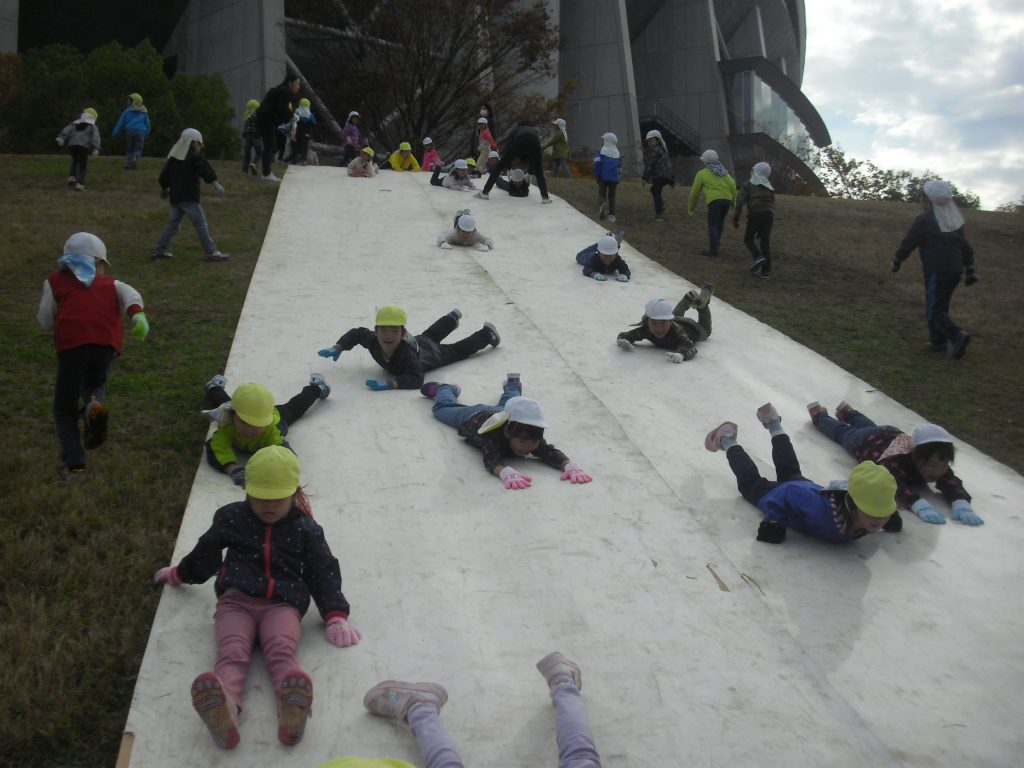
(558,670)
(611,217)
(482,195)
(270,177)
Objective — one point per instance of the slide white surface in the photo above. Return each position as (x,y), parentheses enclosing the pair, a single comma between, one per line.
(699,645)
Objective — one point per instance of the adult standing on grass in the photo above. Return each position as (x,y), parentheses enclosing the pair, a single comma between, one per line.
(758,195)
(275,110)
(179,180)
(83,308)
(134,121)
(719,190)
(938,232)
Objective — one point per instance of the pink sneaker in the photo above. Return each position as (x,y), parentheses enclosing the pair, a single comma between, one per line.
(558,670)
(394,699)
(815,409)
(713,442)
(294,707)
(843,411)
(766,414)
(210,701)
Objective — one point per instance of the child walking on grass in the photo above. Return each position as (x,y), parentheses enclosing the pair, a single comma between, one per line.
(270,558)
(249,420)
(607,169)
(252,145)
(657,170)
(83,139)
(758,196)
(719,189)
(83,307)
(408,357)
(179,181)
(836,514)
(134,121)
(418,705)
(514,427)
(915,460)
(668,328)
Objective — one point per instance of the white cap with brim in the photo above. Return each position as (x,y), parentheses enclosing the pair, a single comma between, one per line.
(493,153)
(467,223)
(460,165)
(608,245)
(517,175)
(929,433)
(482,121)
(428,140)
(653,134)
(521,410)
(658,309)
(88,244)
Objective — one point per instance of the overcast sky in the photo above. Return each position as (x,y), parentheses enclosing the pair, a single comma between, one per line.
(916,85)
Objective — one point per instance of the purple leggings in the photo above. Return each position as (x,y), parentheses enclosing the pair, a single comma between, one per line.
(576,748)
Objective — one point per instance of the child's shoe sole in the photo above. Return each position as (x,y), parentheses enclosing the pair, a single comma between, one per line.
(210,701)
(294,708)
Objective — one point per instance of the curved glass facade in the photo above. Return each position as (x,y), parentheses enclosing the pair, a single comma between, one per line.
(754,107)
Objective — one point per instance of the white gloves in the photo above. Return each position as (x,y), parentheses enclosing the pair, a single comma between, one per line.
(625,344)
(219,187)
(445,245)
(483,247)
(674,357)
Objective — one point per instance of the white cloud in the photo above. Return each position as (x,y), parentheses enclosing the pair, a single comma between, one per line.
(916,84)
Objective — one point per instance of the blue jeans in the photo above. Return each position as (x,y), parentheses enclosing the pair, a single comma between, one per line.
(195,212)
(849,434)
(133,148)
(717,211)
(939,287)
(561,164)
(448,409)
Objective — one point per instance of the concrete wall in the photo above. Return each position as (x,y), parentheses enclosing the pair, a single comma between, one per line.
(8,26)
(241,40)
(596,49)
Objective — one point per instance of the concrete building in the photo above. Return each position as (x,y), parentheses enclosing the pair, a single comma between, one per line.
(8,26)
(709,74)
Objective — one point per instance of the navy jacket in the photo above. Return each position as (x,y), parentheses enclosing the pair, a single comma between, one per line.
(940,251)
(495,446)
(289,561)
(590,259)
(182,177)
(405,365)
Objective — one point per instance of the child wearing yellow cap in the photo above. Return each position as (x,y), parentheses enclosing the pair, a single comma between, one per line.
(270,558)
(248,420)
(362,166)
(83,139)
(402,159)
(134,121)
(408,357)
(302,130)
(839,513)
(252,145)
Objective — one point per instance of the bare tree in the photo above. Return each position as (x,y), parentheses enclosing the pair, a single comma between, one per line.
(413,67)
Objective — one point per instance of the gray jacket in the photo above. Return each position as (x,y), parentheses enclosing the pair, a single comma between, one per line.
(81,134)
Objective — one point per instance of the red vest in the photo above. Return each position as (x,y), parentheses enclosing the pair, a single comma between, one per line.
(86,315)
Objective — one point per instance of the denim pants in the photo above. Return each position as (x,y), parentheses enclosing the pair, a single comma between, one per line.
(939,287)
(561,164)
(195,212)
(252,151)
(749,481)
(133,148)
(81,374)
(656,186)
(848,434)
(717,211)
(576,747)
(448,410)
(238,622)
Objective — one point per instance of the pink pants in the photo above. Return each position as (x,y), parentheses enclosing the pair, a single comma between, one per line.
(238,621)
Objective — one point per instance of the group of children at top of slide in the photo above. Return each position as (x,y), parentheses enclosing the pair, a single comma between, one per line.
(270,558)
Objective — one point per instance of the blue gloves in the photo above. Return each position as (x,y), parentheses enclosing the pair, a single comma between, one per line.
(378,386)
(332,352)
(599,277)
(238,476)
(962,511)
(927,512)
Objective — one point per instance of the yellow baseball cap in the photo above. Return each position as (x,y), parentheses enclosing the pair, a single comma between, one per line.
(368,151)
(391,316)
(272,473)
(254,404)
(405,145)
(873,489)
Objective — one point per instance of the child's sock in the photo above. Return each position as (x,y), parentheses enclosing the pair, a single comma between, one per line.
(775,428)
(727,441)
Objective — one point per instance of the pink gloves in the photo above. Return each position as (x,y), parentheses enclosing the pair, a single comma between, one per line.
(513,480)
(575,474)
(342,634)
(168,575)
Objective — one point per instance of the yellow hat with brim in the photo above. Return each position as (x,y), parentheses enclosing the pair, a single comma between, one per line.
(253,404)
(135,97)
(304,102)
(405,145)
(368,151)
(873,489)
(470,161)
(272,473)
(394,316)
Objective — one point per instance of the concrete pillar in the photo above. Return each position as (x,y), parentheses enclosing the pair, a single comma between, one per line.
(241,40)
(8,26)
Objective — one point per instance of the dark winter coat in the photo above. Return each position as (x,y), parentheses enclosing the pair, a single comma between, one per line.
(181,177)
(496,447)
(940,251)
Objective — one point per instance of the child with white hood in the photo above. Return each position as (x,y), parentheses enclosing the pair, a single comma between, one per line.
(719,190)
(758,195)
(179,181)
(607,169)
(83,138)
(657,170)
(465,233)
(559,144)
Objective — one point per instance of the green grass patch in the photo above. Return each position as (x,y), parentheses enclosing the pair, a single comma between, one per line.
(76,562)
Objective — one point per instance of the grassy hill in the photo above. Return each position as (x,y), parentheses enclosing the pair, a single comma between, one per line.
(77,561)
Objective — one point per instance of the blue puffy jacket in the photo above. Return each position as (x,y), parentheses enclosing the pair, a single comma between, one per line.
(607,168)
(807,507)
(134,118)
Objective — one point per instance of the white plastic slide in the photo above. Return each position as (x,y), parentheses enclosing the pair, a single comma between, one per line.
(699,645)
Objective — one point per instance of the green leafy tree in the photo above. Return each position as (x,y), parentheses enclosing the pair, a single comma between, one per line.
(203,103)
(52,83)
(10,91)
